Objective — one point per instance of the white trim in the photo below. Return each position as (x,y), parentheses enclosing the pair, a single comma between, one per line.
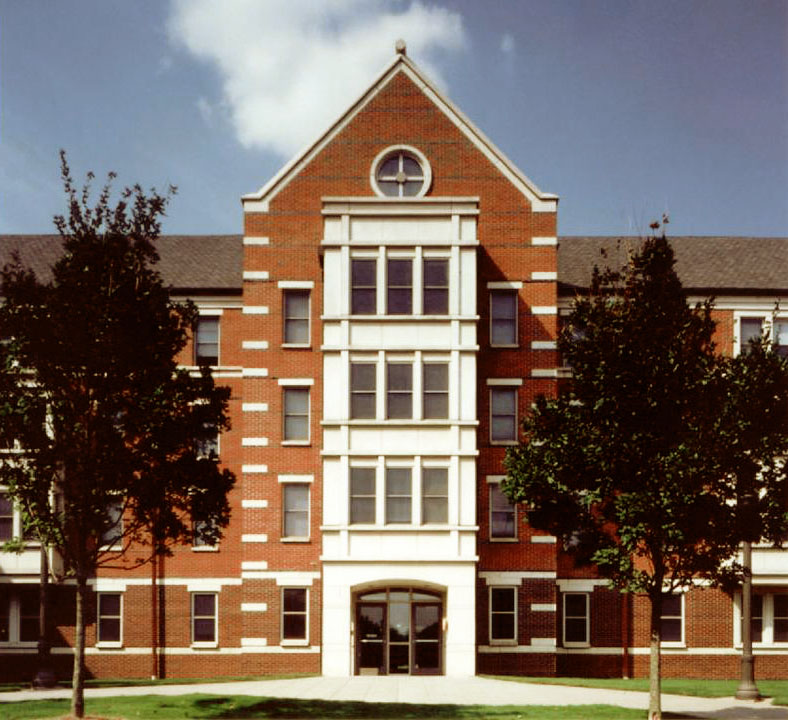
(254,372)
(517,649)
(254,565)
(253,642)
(505,285)
(494,478)
(544,345)
(254,345)
(212,581)
(108,585)
(296,382)
(496,382)
(296,284)
(256,240)
(586,619)
(253,504)
(543,607)
(254,407)
(544,539)
(543,642)
(515,612)
(426,170)
(295,478)
(581,584)
(254,442)
(537,275)
(194,650)
(254,310)
(254,607)
(203,585)
(511,577)
(209,311)
(544,241)
(254,538)
(544,372)
(254,469)
(544,310)
(249,275)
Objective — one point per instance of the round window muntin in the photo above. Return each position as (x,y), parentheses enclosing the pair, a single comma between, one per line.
(403,176)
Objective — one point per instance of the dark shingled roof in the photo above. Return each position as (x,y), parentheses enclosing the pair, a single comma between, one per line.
(722,265)
(202,264)
(190,263)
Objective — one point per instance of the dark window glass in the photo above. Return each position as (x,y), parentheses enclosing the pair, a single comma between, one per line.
(503,415)
(296,317)
(399,290)
(502,614)
(436,390)
(362,495)
(296,416)
(109,617)
(749,329)
(399,390)
(503,317)
(436,287)
(398,495)
(113,529)
(671,618)
(781,338)
(296,512)
(434,495)
(502,514)
(400,175)
(781,618)
(6,517)
(202,534)
(576,618)
(362,390)
(5,615)
(363,280)
(206,344)
(29,615)
(204,617)
(294,612)
(756,615)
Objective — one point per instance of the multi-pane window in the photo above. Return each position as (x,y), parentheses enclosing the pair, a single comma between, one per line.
(503,614)
(6,517)
(780,617)
(362,390)
(399,286)
(208,447)
(203,535)
(294,614)
(109,618)
(781,337)
(672,619)
(400,175)
(502,515)
(296,510)
(363,282)
(503,317)
(398,495)
(204,618)
(434,495)
(296,415)
(362,495)
(399,390)
(206,340)
(503,415)
(576,618)
(435,292)
(296,317)
(19,619)
(113,525)
(29,608)
(435,379)
(749,329)
(756,617)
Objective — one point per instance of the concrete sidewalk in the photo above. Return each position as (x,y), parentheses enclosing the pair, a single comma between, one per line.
(439,690)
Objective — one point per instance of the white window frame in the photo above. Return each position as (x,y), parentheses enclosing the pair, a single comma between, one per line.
(199,545)
(397,257)
(682,617)
(296,441)
(374,496)
(417,155)
(492,486)
(423,496)
(296,538)
(503,386)
(767,619)
(424,287)
(514,613)
(768,321)
(205,643)
(512,292)
(300,291)
(363,258)
(586,617)
(13,593)
(208,316)
(411,392)
(374,391)
(294,641)
(411,471)
(99,616)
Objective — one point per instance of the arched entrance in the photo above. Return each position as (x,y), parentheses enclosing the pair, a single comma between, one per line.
(399,631)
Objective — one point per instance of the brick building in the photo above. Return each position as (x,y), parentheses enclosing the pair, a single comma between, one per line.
(390,309)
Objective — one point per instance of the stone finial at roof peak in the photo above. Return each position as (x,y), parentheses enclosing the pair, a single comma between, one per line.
(400,48)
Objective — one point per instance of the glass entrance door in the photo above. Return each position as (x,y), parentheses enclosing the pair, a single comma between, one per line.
(398,631)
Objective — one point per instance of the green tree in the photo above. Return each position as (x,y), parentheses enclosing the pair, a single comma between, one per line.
(624,465)
(111,428)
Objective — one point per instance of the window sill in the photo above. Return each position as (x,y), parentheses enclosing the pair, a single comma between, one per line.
(205,548)
(576,645)
(503,443)
(296,346)
(109,645)
(503,643)
(504,540)
(294,540)
(296,443)
(295,643)
(205,645)
(507,346)
(674,645)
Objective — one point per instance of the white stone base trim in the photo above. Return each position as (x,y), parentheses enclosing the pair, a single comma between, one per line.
(254,372)
(254,538)
(254,469)
(254,565)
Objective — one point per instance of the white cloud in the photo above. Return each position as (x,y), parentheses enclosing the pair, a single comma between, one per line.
(507,44)
(290,67)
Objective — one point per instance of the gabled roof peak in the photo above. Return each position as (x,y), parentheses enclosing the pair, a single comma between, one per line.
(400,48)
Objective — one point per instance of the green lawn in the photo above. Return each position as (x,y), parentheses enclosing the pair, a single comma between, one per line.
(775,689)
(221,707)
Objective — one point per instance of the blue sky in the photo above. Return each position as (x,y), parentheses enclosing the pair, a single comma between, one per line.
(624,108)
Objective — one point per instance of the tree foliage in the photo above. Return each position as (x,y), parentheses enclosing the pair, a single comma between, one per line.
(638,463)
(95,400)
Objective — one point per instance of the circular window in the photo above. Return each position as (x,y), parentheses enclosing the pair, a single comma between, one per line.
(401,171)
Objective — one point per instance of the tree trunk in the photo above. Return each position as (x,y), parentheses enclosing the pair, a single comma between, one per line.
(45,676)
(78,681)
(154,630)
(655,679)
